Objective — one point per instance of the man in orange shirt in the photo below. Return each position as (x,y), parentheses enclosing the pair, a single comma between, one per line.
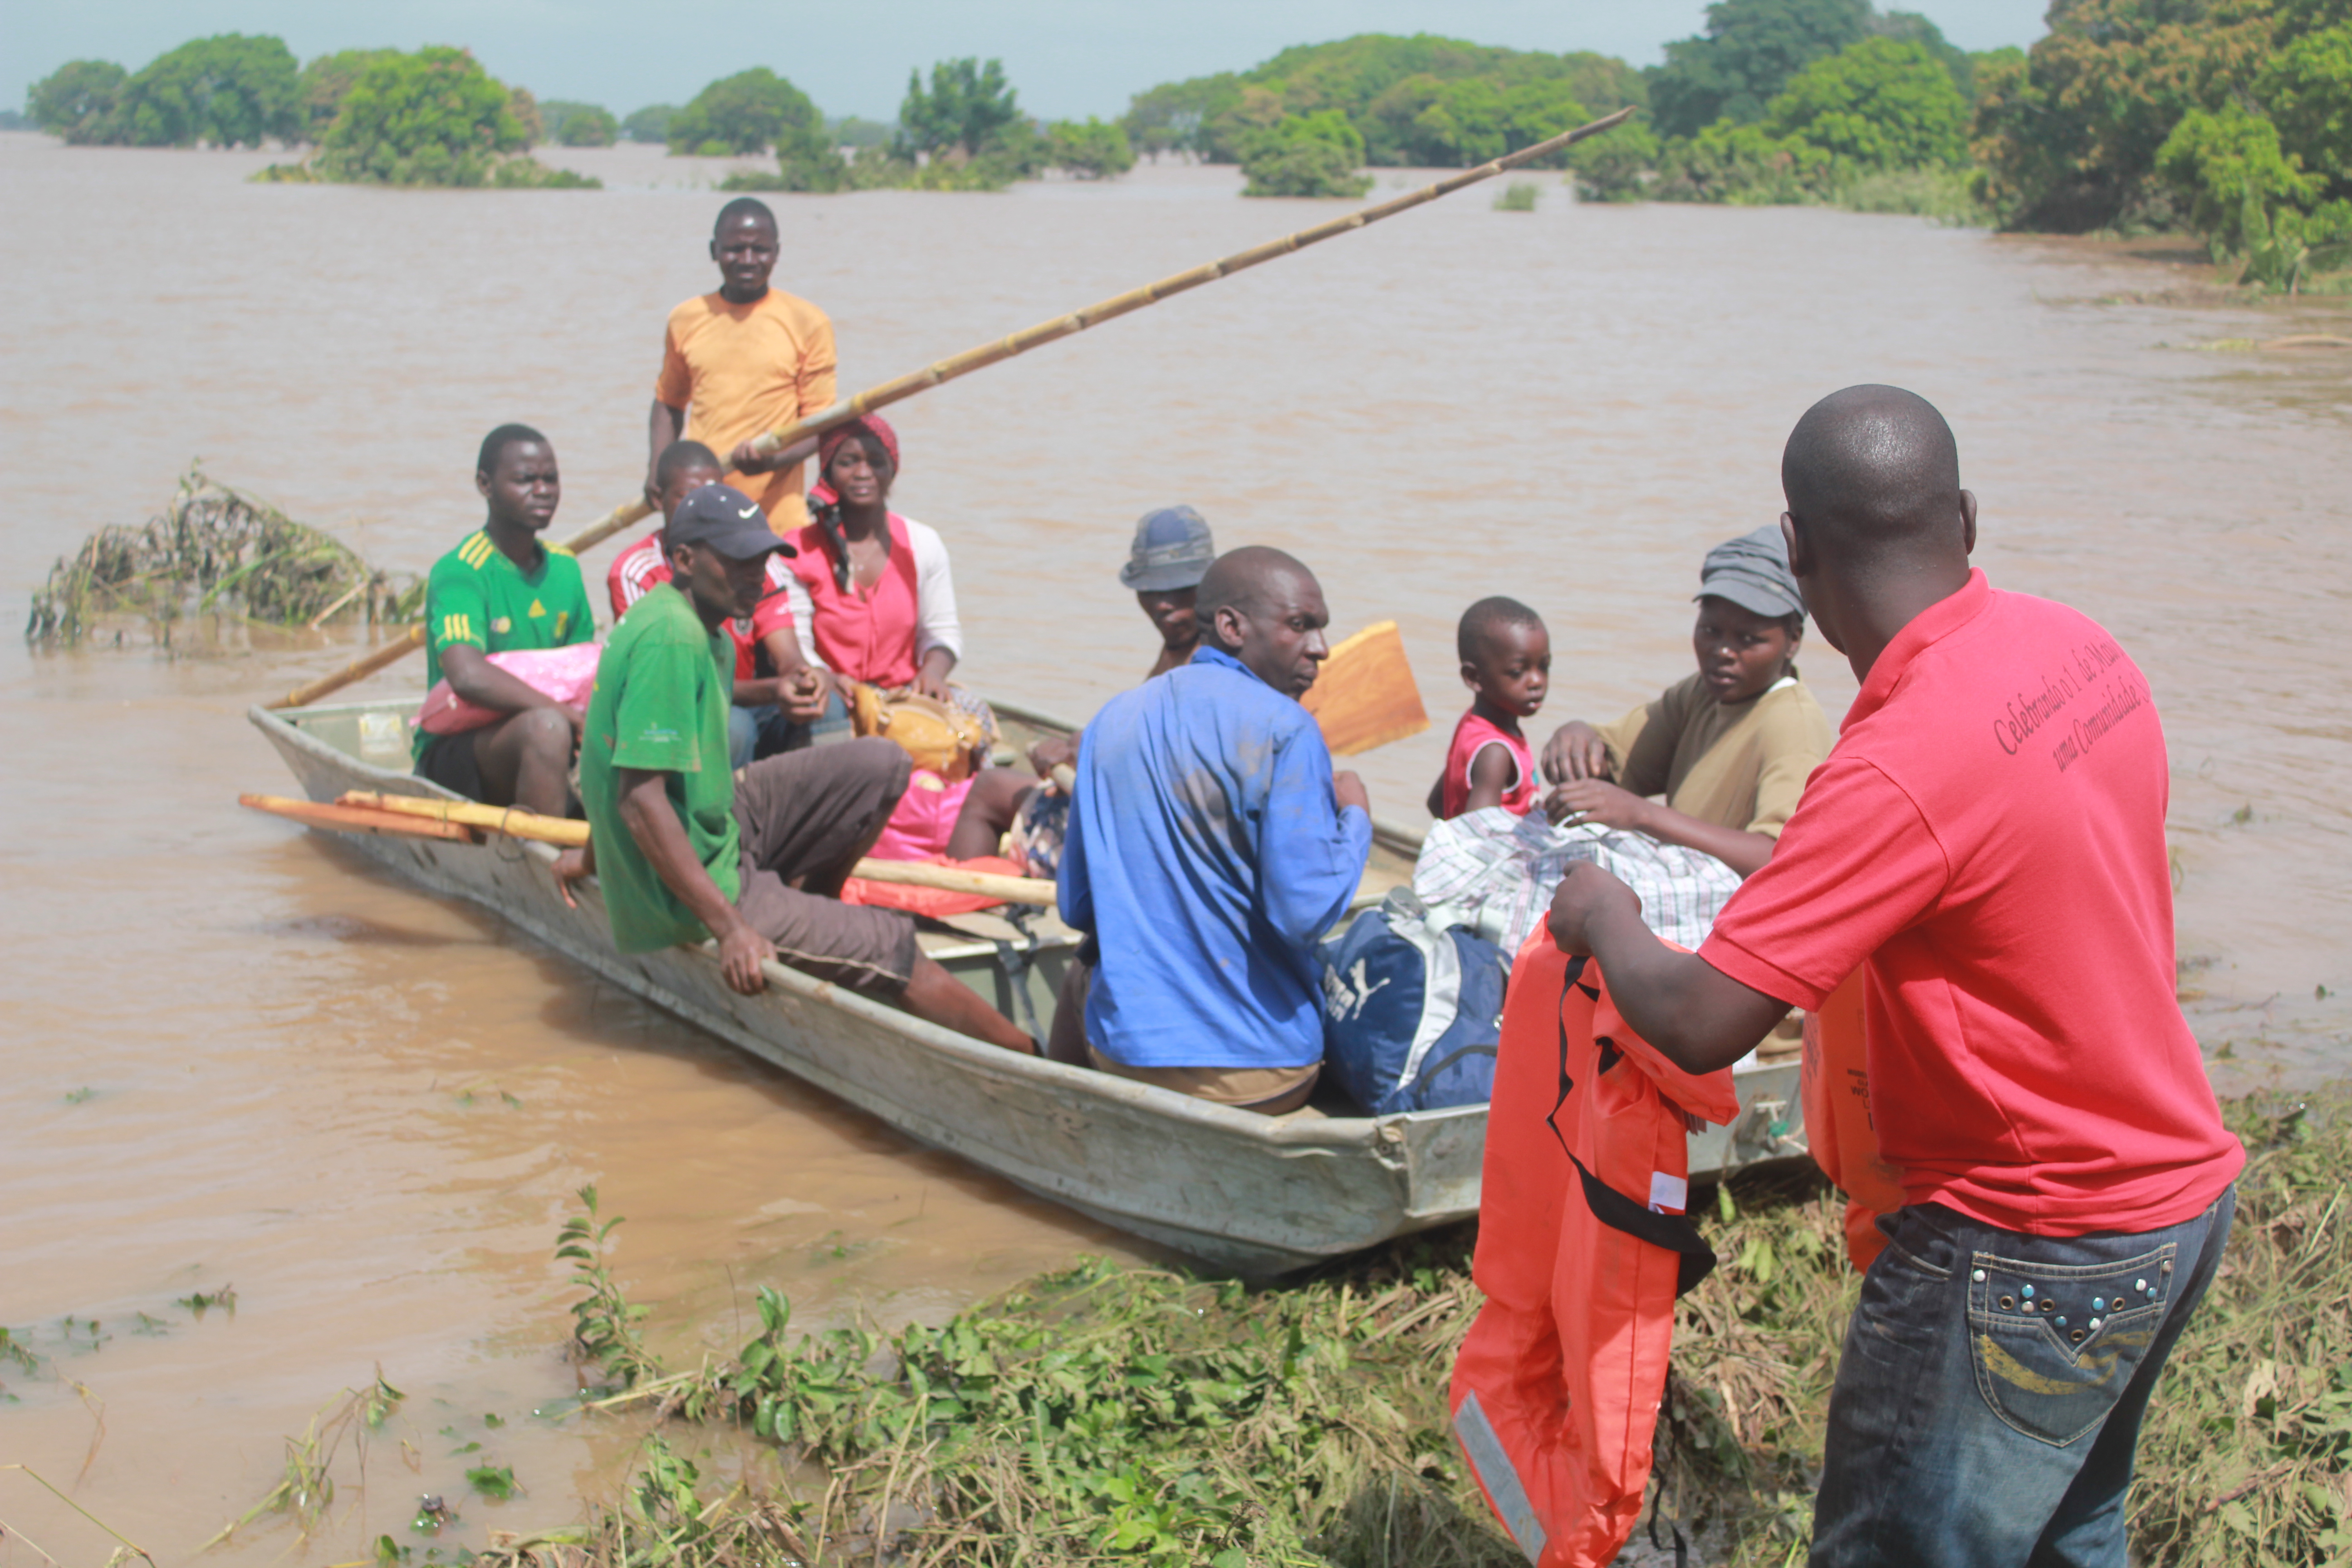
(740,362)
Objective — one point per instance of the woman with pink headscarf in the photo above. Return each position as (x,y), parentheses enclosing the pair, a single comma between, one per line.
(871,591)
(875,602)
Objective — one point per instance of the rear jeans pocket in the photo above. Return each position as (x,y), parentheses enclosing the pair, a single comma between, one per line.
(2054,1347)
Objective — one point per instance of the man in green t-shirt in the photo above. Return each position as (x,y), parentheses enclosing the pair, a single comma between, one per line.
(686,850)
(501,589)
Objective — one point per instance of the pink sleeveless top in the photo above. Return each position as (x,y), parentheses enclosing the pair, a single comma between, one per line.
(1472,736)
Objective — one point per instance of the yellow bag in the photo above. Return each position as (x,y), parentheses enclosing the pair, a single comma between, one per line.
(937,735)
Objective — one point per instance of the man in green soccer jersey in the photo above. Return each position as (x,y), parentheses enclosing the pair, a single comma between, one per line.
(687,850)
(500,590)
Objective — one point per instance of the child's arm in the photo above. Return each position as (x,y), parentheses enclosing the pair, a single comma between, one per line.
(1492,772)
(1606,805)
(1436,804)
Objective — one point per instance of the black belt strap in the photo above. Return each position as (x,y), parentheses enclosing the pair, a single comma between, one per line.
(1673,1232)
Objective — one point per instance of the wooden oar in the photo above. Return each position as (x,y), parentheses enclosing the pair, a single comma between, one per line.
(464,822)
(355,819)
(1005,348)
(1365,695)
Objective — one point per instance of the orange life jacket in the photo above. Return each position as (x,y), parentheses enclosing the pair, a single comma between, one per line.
(937,902)
(1834,1085)
(1582,1248)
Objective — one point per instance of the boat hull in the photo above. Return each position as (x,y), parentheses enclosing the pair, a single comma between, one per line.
(1245,1193)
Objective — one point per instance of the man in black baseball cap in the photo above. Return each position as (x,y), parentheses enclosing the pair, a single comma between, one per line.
(687,849)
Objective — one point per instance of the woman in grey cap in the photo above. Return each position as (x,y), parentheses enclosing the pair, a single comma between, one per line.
(1170,555)
(1728,748)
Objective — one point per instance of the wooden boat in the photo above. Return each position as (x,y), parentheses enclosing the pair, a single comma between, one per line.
(1251,1195)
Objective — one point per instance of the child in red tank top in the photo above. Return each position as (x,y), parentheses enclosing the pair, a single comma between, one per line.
(1506,664)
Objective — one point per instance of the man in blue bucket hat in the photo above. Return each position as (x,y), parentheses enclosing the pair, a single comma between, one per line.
(1170,555)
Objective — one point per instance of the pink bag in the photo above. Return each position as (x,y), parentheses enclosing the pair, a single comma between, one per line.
(924,818)
(566,674)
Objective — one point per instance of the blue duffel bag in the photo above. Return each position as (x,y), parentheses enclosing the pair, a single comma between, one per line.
(1411,1015)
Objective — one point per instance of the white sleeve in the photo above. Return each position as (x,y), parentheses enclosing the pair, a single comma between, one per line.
(936,624)
(796,596)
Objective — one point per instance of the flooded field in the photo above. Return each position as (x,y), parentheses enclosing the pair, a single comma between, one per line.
(237,1057)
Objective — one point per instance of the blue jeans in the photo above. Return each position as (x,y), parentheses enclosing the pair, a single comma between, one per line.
(756,733)
(1989,1394)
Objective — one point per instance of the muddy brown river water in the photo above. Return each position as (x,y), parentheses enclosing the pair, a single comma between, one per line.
(234,1055)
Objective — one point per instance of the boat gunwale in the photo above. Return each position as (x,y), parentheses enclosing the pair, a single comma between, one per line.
(1333,1134)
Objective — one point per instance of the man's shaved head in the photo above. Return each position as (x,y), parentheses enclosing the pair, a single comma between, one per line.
(743,209)
(1878,528)
(1873,470)
(1250,580)
(1266,609)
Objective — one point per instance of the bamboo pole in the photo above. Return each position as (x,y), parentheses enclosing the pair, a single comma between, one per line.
(463,822)
(360,668)
(511,820)
(979,358)
(1134,300)
(951,878)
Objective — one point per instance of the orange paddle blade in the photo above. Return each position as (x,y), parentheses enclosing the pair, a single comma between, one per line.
(355,819)
(1366,697)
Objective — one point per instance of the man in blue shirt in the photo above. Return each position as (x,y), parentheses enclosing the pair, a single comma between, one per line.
(1209,846)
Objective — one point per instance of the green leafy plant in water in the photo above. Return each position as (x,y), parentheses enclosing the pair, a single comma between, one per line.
(1108,1413)
(82,1335)
(1518,196)
(80,1096)
(12,1349)
(202,1301)
(604,1322)
(495,1482)
(305,1487)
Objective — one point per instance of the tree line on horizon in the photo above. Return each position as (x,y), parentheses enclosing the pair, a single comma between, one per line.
(434,115)
(2231,118)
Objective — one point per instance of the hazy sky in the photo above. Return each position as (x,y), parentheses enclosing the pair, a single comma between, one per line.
(1067,57)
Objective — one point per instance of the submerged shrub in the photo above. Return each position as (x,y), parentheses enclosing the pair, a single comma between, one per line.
(1314,154)
(1616,165)
(76,100)
(1089,148)
(1745,165)
(433,118)
(750,112)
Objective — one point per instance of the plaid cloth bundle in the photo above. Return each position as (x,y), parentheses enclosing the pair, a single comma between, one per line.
(1494,874)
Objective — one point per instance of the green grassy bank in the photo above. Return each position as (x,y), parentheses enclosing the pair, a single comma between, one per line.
(1119,1415)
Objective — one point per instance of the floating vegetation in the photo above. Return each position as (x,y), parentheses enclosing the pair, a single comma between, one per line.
(215,550)
(306,1491)
(203,1301)
(1518,196)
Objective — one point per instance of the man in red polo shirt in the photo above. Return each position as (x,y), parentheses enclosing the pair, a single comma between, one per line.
(1988,839)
